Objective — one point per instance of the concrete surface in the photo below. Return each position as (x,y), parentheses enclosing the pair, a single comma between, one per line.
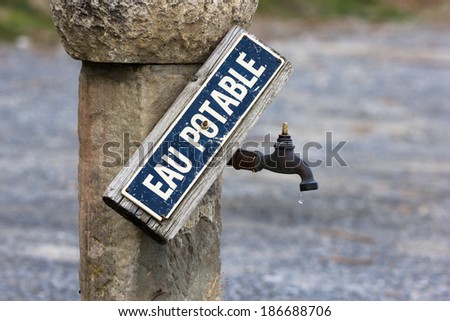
(377,229)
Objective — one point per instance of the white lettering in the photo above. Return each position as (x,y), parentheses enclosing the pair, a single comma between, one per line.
(212,112)
(182,168)
(212,129)
(230,85)
(192,136)
(234,87)
(157,188)
(242,79)
(168,175)
(249,65)
(224,101)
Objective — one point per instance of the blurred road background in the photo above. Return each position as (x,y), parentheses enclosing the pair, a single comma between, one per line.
(372,74)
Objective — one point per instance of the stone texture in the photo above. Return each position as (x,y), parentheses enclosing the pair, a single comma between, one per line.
(120,103)
(121,100)
(147,31)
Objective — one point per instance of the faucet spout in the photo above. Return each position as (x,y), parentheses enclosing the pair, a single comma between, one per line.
(283,160)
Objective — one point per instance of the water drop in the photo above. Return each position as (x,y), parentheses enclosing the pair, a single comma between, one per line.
(300,201)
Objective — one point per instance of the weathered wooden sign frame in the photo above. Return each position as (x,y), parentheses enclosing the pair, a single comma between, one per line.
(162,228)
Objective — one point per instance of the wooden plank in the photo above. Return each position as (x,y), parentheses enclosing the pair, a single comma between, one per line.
(166,229)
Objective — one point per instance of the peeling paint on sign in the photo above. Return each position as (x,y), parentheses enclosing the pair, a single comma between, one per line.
(177,161)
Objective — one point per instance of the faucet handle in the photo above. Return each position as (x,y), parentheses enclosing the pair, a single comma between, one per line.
(284,129)
(284,140)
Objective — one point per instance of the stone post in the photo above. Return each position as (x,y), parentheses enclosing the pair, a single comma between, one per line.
(137,57)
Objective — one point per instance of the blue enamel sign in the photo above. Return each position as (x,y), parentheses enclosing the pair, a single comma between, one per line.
(177,161)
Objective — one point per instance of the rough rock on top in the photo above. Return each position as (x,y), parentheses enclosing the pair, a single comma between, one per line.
(147,31)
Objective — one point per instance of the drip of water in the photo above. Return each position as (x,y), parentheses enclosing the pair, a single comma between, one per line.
(300,201)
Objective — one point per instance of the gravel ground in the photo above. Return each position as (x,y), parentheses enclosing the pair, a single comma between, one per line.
(378,227)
